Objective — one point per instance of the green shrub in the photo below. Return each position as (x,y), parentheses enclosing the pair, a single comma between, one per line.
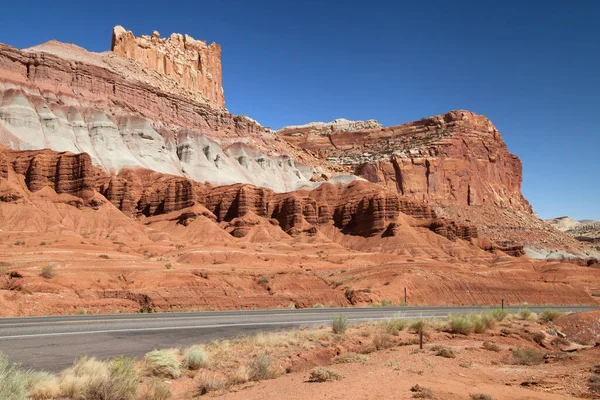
(47,272)
(14,381)
(528,356)
(155,390)
(339,324)
(550,315)
(386,303)
(162,363)
(394,326)
(324,374)
(195,358)
(260,368)
(499,314)
(418,324)
(525,313)
(461,324)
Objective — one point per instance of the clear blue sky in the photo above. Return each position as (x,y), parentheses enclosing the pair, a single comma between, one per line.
(532,67)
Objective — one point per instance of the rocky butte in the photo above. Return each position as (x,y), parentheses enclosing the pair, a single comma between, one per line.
(98,125)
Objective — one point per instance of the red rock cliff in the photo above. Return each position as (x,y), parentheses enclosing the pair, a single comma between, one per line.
(192,63)
(458,158)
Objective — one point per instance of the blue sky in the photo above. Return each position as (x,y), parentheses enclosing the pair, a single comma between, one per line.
(532,67)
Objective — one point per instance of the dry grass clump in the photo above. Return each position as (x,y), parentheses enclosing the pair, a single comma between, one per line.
(90,379)
(239,376)
(19,384)
(550,315)
(348,358)
(420,392)
(594,383)
(162,363)
(324,374)
(443,351)
(525,313)
(260,368)
(339,324)
(466,324)
(207,382)
(499,314)
(195,358)
(47,272)
(528,356)
(461,324)
(491,346)
(382,340)
(418,324)
(480,396)
(155,389)
(394,326)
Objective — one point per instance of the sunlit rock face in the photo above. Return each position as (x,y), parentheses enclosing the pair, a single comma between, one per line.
(129,113)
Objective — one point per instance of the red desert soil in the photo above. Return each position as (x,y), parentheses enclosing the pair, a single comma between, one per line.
(391,371)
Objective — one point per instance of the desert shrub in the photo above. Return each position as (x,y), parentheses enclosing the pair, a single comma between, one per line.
(339,324)
(105,256)
(239,376)
(386,303)
(491,346)
(528,356)
(480,396)
(195,358)
(263,280)
(525,313)
(499,314)
(420,392)
(324,374)
(162,363)
(207,382)
(90,379)
(47,272)
(443,351)
(168,265)
(382,340)
(418,324)
(155,390)
(550,315)
(560,341)
(14,381)
(461,324)
(594,383)
(487,320)
(348,358)
(394,326)
(260,368)
(43,386)
(318,305)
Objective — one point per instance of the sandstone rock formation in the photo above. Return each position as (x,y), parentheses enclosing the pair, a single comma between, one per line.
(192,63)
(455,158)
(63,98)
(585,231)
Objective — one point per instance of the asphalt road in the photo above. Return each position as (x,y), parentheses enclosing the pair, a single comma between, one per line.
(53,343)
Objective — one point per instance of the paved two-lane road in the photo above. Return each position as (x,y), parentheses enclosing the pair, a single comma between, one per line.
(53,343)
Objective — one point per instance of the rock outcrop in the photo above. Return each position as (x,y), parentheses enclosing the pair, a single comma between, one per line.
(456,158)
(358,209)
(64,98)
(192,63)
(585,231)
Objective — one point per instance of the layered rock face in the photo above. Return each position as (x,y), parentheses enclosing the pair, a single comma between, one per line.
(585,231)
(192,63)
(359,209)
(456,158)
(64,98)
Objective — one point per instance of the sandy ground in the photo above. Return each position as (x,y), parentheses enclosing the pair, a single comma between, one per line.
(392,372)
